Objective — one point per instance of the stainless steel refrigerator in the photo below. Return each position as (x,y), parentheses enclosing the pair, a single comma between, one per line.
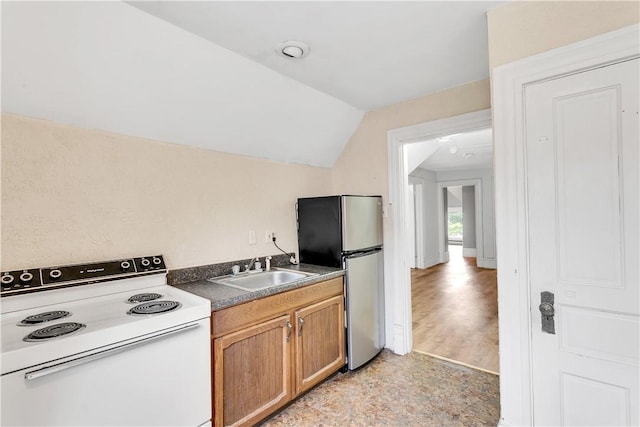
(346,232)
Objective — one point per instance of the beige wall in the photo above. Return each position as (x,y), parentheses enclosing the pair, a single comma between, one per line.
(525,28)
(73,195)
(362,166)
(76,195)
(516,30)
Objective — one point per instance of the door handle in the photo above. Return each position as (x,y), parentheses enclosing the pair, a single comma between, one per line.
(547,311)
(31,375)
(289,327)
(300,324)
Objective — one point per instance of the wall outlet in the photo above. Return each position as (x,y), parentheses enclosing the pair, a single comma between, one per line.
(268,236)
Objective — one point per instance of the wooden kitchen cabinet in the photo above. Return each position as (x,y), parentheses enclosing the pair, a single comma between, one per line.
(252,372)
(319,342)
(268,351)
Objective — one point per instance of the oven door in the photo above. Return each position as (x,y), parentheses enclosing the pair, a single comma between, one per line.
(158,379)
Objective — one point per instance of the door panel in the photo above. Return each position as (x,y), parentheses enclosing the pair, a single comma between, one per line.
(252,372)
(319,341)
(365,316)
(592,149)
(582,212)
(361,222)
(596,333)
(589,402)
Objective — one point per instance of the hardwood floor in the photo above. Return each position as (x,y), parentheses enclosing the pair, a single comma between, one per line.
(455,312)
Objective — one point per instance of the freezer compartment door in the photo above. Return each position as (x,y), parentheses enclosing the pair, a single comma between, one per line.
(361,222)
(365,307)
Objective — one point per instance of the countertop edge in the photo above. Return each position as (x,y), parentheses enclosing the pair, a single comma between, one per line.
(222,296)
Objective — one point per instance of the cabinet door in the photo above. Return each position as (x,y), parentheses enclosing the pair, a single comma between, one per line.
(320,342)
(252,372)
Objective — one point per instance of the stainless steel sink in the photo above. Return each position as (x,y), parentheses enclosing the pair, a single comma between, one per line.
(262,280)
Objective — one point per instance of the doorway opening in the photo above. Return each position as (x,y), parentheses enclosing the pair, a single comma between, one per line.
(398,326)
(402,161)
(453,299)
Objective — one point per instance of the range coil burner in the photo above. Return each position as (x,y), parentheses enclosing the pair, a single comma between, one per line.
(154,307)
(39,318)
(54,331)
(144,297)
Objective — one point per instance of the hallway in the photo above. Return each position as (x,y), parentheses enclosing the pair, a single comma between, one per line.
(455,312)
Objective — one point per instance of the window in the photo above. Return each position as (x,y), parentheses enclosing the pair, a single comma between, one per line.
(455,223)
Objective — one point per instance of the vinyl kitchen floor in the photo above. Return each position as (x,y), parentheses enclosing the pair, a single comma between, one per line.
(411,390)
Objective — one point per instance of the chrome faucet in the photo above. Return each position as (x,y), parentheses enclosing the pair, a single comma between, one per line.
(248,266)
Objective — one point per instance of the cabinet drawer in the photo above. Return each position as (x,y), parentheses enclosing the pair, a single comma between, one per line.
(237,317)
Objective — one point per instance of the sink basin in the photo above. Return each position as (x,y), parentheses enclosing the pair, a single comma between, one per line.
(259,281)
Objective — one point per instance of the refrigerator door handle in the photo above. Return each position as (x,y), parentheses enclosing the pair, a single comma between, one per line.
(357,254)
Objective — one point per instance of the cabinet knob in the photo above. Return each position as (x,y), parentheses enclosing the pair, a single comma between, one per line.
(26,277)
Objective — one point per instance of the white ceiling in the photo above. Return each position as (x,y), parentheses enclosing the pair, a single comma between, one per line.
(472,150)
(110,66)
(206,74)
(367,54)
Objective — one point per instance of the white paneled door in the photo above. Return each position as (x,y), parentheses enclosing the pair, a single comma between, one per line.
(582,186)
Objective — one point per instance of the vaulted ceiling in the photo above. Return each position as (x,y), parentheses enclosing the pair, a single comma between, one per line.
(206,73)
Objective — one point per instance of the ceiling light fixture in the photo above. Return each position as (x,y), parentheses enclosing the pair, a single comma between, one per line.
(468,155)
(293,49)
(453,150)
(444,139)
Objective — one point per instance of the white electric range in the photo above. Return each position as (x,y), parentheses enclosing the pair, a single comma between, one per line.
(105,343)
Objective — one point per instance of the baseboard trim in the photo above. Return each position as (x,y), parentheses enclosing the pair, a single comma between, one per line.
(399,343)
(431,262)
(486,263)
(469,252)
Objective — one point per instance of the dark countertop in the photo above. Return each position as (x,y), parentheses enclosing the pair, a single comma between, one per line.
(222,296)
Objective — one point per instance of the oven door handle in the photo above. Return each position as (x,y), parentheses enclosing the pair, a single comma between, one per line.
(105,353)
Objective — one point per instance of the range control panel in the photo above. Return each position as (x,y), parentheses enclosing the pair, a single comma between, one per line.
(40,279)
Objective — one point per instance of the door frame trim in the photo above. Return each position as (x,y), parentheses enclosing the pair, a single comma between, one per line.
(508,84)
(397,275)
(419,224)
